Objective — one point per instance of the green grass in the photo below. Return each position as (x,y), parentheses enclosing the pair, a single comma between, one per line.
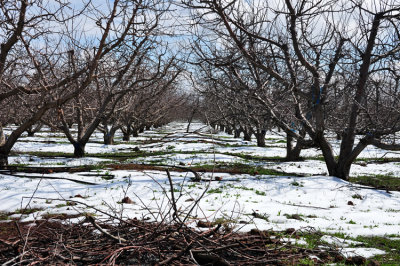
(26,211)
(254,157)
(67,203)
(315,158)
(214,190)
(4,216)
(388,182)
(261,193)
(390,246)
(306,261)
(313,240)
(240,168)
(48,154)
(296,184)
(236,145)
(7,215)
(19,165)
(294,216)
(359,159)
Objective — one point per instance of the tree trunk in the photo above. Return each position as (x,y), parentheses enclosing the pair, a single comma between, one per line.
(2,137)
(237,133)
(135,132)
(148,127)
(228,130)
(126,136)
(33,129)
(340,171)
(126,133)
(79,150)
(260,136)
(141,129)
(3,160)
(30,131)
(246,135)
(221,128)
(3,152)
(292,154)
(190,119)
(109,138)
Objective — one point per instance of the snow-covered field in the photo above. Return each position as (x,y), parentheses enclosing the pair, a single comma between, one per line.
(244,201)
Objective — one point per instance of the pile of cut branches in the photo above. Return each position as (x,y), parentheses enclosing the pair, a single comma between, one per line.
(136,242)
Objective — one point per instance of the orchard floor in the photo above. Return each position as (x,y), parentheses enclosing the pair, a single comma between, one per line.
(243,188)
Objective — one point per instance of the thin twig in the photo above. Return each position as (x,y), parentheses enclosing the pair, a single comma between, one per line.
(175,214)
(98,227)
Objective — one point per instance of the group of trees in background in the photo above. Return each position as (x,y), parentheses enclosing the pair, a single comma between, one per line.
(309,68)
(95,66)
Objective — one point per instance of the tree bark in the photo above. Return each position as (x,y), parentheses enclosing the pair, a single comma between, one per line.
(341,171)
(109,135)
(188,125)
(109,138)
(79,149)
(135,132)
(3,160)
(33,129)
(247,135)
(126,136)
(30,131)
(126,132)
(3,152)
(292,153)
(190,119)
(2,136)
(260,136)
(237,133)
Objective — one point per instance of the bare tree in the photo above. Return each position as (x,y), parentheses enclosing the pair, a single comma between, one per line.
(308,46)
(143,107)
(27,55)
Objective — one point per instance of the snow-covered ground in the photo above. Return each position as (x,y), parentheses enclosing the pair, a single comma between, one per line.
(244,201)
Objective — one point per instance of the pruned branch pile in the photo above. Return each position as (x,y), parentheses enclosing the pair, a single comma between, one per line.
(135,242)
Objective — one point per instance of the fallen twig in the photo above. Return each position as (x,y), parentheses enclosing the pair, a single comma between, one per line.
(98,227)
(52,177)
